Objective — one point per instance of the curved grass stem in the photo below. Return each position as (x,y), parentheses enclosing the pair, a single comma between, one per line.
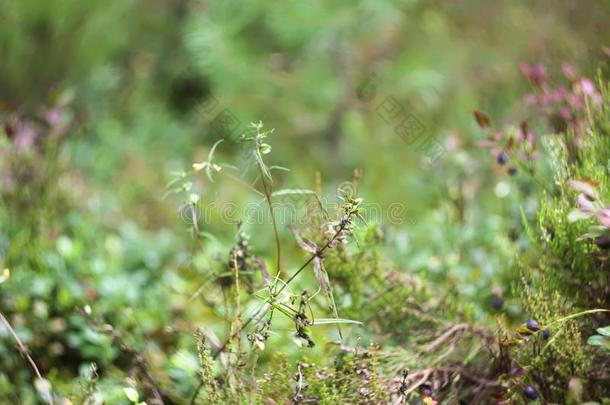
(273,222)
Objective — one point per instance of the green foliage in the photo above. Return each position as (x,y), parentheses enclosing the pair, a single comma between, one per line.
(408,283)
(601,339)
(569,274)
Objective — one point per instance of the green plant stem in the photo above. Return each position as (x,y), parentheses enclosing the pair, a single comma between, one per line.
(276,293)
(275,232)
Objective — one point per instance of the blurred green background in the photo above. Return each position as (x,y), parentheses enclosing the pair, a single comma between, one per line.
(142,85)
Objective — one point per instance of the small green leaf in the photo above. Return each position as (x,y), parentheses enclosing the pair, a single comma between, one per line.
(261,164)
(131,394)
(595,340)
(605,331)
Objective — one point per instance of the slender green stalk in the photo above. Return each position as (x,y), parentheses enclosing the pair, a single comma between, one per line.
(277,235)
(564,319)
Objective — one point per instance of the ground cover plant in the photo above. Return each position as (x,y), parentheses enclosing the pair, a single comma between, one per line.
(255,203)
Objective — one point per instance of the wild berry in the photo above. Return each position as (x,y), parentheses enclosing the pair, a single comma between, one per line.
(603,242)
(530,392)
(512,171)
(502,158)
(497,302)
(532,325)
(546,334)
(425,390)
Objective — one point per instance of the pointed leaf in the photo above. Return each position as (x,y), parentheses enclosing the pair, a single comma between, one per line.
(211,154)
(605,331)
(596,340)
(328,321)
(261,164)
(290,191)
(482,119)
(131,394)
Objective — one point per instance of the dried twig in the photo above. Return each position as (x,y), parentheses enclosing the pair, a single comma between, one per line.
(24,351)
(446,335)
(423,376)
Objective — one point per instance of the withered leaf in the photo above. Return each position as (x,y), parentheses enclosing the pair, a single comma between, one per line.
(303,242)
(482,119)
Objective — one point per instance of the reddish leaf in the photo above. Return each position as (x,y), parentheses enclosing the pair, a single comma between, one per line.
(482,119)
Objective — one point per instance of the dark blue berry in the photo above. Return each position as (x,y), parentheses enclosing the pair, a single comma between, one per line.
(529,392)
(546,334)
(512,171)
(502,158)
(497,302)
(532,325)
(603,242)
(425,390)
